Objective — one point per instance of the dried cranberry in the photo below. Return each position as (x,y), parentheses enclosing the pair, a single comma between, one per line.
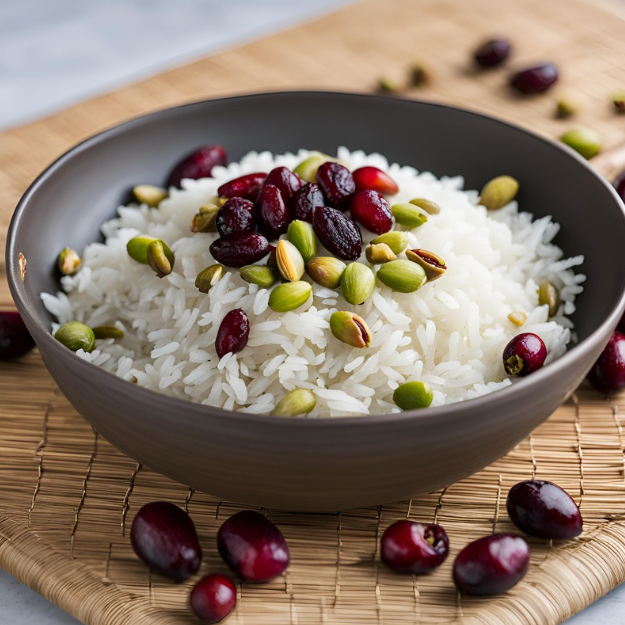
(418,548)
(371,210)
(337,184)
(199,164)
(608,373)
(213,598)
(236,215)
(524,354)
(233,333)
(306,201)
(286,181)
(253,546)
(492,564)
(492,53)
(240,248)
(164,537)
(337,233)
(375,179)
(543,509)
(273,213)
(15,340)
(535,79)
(247,187)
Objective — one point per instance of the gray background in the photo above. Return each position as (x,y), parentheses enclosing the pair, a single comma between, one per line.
(56,52)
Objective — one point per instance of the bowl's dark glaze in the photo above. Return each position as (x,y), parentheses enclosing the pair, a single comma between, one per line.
(334,463)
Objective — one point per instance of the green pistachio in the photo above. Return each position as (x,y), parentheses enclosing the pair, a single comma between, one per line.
(299,401)
(413,395)
(431,208)
(218,201)
(433,265)
(209,277)
(307,169)
(68,261)
(108,332)
(498,192)
(160,258)
(357,283)
(618,99)
(205,219)
(386,84)
(75,336)
(137,248)
(548,295)
(518,318)
(378,253)
(396,240)
(350,328)
(302,235)
(326,271)
(408,215)
(149,194)
(402,275)
(290,262)
(289,296)
(583,140)
(565,108)
(259,274)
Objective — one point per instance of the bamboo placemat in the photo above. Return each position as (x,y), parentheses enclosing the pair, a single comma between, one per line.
(67,497)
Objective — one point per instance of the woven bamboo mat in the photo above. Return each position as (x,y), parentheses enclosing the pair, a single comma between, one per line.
(67,497)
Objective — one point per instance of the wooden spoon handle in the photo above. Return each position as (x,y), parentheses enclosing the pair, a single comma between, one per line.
(611,162)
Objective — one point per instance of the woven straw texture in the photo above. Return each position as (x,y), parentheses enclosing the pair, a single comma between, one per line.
(67,496)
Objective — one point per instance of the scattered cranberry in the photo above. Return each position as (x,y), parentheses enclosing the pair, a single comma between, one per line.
(240,248)
(524,354)
(164,537)
(274,214)
(337,233)
(535,79)
(198,165)
(492,53)
(233,333)
(543,509)
(374,179)
(608,373)
(492,564)
(286,181)
(253,546)
(213,598)
(236,215)
(371,210)
(306,201)
(337,184)
(418,548)
(247,187)
(15,340)
(619,185)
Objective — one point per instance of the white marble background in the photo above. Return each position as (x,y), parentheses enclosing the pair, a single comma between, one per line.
(56,52)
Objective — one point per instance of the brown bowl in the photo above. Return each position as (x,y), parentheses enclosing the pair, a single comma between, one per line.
(318,464)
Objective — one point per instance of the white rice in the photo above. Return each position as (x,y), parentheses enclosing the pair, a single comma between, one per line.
(451,333)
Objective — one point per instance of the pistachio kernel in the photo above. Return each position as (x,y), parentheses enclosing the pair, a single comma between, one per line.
(137,248)
(75,335)
(386,84)
(108,332)
(548,295)
(289,296)
(396,240)
(413,395)
(498,192)
(408,215)
(584,141)
(261,275)
(518,318)
(402,275)
(290,262)
(433,265)
(205,220)
(160,258)
(357,283)
(307,169)
(68,261)
(565,108)
(618,99)
(302,235)
(299,401)
(420,74)
(378,253)
(326,271)
(431,208)
(149,194)
(209,277)
(350,328)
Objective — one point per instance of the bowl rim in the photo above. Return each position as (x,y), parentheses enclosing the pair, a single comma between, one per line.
(516,390)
